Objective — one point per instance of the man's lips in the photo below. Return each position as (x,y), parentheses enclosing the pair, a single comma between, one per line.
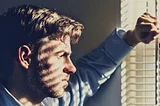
(65,82)
(66,78)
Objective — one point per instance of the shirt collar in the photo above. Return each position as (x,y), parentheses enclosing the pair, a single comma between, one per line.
(7,96)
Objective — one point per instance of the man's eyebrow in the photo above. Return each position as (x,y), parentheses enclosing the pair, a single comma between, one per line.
(63,51)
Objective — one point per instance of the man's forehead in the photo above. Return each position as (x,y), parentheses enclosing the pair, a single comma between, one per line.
(57,45)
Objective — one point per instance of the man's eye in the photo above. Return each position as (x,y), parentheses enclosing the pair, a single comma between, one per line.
(64,55)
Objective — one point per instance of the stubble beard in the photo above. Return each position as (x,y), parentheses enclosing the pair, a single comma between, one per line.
(40,89)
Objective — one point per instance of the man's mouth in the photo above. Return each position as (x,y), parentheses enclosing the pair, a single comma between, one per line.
(65,81)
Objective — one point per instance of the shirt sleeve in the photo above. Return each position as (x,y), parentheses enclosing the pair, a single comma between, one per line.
(94,68)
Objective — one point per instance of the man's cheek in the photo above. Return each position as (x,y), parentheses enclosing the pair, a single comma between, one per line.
(52,81)
(58,65)
(49,63)
(51,74)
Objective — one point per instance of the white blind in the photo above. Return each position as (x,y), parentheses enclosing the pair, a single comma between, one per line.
(140,81)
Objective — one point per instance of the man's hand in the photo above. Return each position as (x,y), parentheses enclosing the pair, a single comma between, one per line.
(146,30)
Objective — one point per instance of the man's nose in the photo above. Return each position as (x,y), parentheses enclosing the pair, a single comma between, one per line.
(69,68)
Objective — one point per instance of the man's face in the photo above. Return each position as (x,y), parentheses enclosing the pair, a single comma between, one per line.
(54,67)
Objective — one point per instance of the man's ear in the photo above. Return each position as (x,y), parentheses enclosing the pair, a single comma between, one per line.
(24,53)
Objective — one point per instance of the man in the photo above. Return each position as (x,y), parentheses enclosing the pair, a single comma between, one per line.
(36,64)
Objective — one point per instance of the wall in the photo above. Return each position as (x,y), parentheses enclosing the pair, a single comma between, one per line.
(99,17)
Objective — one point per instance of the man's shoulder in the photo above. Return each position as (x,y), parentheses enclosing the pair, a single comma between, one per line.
(6,99)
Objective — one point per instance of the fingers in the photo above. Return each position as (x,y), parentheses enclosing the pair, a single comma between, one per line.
(148,23)
(148,15)
(148,27)
(147,18)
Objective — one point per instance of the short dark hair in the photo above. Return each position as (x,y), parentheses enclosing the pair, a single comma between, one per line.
(27,23)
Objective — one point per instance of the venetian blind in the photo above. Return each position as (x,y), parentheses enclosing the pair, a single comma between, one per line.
(140,77)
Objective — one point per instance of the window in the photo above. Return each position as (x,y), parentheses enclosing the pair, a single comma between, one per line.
(140,74)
